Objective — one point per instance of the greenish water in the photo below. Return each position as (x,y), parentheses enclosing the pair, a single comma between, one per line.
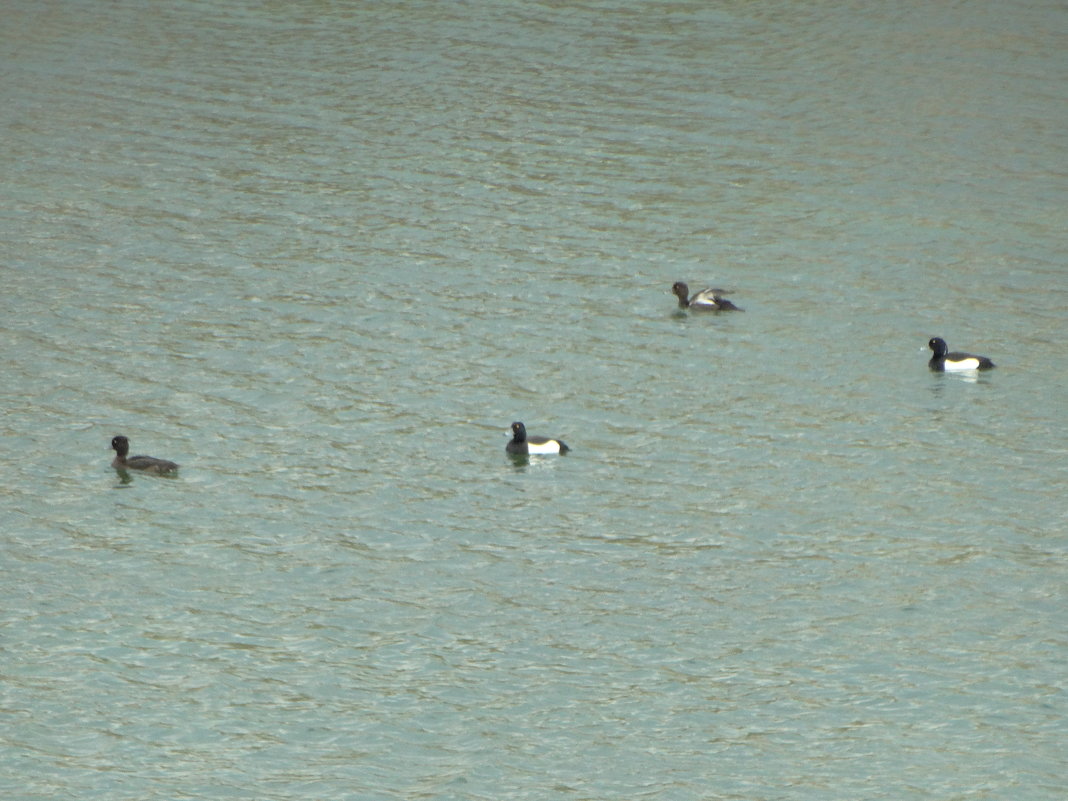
(322,255)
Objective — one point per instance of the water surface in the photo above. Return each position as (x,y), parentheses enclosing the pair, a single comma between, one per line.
(323,255)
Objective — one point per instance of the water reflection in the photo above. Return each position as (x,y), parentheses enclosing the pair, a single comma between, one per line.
(521,462)
(126,478)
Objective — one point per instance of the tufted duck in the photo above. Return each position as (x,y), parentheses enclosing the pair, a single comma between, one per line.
(705,300)
(955,362)
(147,463)
(521,444)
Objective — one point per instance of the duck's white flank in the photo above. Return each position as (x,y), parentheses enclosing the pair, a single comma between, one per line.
(963,364)
(552,446)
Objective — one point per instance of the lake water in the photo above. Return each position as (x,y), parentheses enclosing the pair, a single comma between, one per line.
(323,254)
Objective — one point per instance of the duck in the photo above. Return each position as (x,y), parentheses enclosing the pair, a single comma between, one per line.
(149,464)
(521,444)
(705,300)
(943,361)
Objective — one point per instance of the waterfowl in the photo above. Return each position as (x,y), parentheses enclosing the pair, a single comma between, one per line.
(521,444)
(705,300)
(149,464)
(943,361)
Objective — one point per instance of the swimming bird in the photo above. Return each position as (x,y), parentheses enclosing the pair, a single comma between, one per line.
(521,444)
(705,300)
(954,362)
(147,463)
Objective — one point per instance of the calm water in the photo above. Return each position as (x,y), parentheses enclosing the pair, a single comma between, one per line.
(323,254)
